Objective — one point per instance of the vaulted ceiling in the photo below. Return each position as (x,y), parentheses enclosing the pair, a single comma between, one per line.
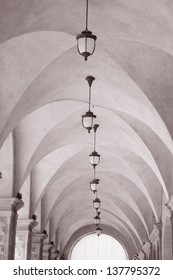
(43,93)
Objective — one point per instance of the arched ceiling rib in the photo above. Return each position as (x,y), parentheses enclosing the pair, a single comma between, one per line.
(123,94)
(147,21)
(118,164)
(110,185)
(117,225)
(73,215)
(107,185)
(45,94)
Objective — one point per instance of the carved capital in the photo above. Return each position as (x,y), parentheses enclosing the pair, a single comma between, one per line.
(26,225)
(11,204)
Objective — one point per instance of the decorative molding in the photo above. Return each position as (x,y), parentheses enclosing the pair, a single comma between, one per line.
(8,222)
(11,204)
(23,238)
(3,237)
(27,224)
(37,245)
(47,250)
(154,236)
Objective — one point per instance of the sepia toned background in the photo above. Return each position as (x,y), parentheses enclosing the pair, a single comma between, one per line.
(45,202)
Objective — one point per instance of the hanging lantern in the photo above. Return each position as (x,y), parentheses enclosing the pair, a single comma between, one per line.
(94,185)
(88,117)
(97,220)
(94,156)
(87,120)
(96,203)
(94,159)
(98,231)
(86,41)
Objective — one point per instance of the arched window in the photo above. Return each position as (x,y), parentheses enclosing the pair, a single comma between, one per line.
(92,247)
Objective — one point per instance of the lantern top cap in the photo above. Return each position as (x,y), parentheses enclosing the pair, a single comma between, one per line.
(97,200)
(89,114)
(86,33)
(90,80)
(98,230)
(94,153)
(95,181)
(97,217)
(95,127)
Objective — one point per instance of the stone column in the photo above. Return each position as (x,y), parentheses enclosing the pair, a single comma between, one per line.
(141,255)
(54,255)
(155,238)
(147,248)
(37,245)
(8,222)
(170,213)
(23,239)
(159,227)
(47,251)
(171,218)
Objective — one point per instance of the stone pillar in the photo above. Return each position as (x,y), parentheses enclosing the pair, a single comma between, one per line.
(47,251)
(23,239)
(141,255)
(159,227)
(136,257)
(54,255)
(147,248)
(8,222)
(37,245)
(154,238)
(171,218)
(170,214)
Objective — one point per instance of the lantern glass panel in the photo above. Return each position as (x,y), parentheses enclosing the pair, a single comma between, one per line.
(96,203)
(98,231)
(81,45)
(97,220)
(93,187)
(87,121)
(86,43)
(94,159)
(90,45)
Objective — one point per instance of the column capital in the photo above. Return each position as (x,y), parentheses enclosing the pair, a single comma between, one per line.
(158,225)
(170,203)
(149,241)
(156,232)
(8,222)
(47,247)
(54,255)
(11,204)
(169,209)
(37,236)
(27,224)
(37,245)
(23,239)
(147,245)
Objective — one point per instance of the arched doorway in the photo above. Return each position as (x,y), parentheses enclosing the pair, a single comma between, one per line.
(92,247)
